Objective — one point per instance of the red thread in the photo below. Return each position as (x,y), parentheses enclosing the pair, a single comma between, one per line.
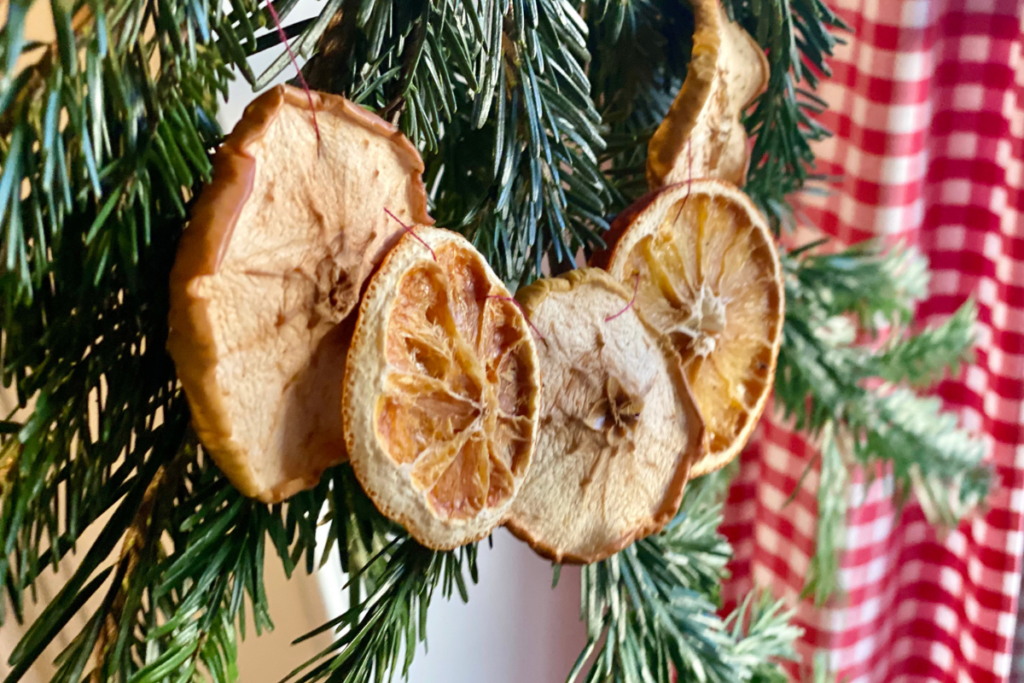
(295,63)
(411,232)
(636,287)
(520,307)
(689,181)
(689,163)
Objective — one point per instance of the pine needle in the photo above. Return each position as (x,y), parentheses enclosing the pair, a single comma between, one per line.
(652,609)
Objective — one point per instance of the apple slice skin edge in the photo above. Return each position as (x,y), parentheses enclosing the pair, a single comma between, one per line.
(531,299)
(602,258)
(201,251)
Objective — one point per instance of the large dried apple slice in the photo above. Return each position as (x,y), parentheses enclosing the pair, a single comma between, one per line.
(269,269)
(441,391)
(703,136)
(708,275)
(618,426)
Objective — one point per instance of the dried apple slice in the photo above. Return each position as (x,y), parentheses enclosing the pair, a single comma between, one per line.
(442,390)
(269,269)
(703,136)
(618,426)
(708,276)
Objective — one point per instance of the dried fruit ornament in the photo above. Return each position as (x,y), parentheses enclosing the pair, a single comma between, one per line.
(702,135)
(618,427)
(442,391)
(708,275)
(274,257)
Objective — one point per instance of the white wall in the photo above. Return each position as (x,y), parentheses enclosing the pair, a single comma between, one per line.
(514,628)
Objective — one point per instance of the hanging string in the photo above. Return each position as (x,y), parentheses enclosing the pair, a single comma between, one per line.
(520,307)
(295,63)
(636,287)
(410,231)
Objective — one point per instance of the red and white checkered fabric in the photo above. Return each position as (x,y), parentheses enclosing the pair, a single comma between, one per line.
(927,103)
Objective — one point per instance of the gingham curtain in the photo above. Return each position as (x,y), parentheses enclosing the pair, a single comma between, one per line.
(927,104)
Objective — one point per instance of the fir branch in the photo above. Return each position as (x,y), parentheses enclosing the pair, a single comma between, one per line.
(137,90)
(831,386)
(396,58)
(822,578)
(88,576)
(193,558)
(822,670)
(108,132)
(798,37)
(140,548)
(543,195)
(109,129)
(651,604)
(640,52)
(200,591)
(763,636)
(928,451)
(877,291)
(495,94)
(924,358)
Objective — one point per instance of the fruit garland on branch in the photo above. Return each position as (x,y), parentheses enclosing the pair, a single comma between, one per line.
(314,316)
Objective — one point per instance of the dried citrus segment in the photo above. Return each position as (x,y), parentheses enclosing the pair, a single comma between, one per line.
(618,427)
(269,270)
(441,391)
(702,136)
(708,275)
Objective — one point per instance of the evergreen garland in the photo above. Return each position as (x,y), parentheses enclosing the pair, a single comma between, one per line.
(533,117)
(653,606)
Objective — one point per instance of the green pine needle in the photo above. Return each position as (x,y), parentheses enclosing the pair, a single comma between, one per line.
(651,615)
(830,386)
(822,579)
(925,357)
(504,80)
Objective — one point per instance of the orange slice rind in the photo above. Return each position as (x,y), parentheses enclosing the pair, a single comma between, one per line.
(441,391)
(269,269)
(618,427)
(708,276)
(702,136)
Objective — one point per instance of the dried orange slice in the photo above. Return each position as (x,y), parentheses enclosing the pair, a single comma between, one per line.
(707,274)
(702,135)
(270,266)
(441,392)
(618,427)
